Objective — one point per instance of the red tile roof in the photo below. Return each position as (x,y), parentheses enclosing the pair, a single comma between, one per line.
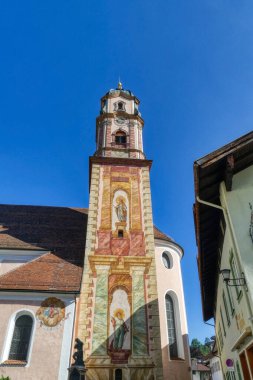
(60,230)
(48,272)
(202,368)
(160,235)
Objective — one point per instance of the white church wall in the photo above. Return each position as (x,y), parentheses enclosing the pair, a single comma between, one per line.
(169,281)
(47,344)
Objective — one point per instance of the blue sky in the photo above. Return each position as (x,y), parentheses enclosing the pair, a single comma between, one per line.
(189,62)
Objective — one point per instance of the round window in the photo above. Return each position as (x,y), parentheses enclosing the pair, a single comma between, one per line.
(166,260)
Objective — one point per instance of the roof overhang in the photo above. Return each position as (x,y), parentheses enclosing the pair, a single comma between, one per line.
(209,172)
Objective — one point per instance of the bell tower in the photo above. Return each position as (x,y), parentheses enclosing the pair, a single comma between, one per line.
(119,125)
(118,317)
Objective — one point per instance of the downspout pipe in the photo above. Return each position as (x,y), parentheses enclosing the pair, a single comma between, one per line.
(227,219)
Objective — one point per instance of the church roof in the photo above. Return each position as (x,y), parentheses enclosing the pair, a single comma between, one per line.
(61,233)
(161,235)
(49,272)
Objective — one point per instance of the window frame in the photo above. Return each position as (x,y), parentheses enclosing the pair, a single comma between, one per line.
(225,304)
(177,317)
(235,274)
(222,322)
(120,134)
(116,106)
(115,373)
(170,257)
(10,331)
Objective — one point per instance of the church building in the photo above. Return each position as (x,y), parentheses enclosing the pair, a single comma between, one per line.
(105,275)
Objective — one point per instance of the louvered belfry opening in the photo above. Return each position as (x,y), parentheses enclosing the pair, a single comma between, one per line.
(171,327)
(21,338)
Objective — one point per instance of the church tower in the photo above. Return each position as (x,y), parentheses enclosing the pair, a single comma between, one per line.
(118,311)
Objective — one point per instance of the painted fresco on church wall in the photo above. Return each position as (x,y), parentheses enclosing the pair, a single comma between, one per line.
(51,312)
(119,267)
(120,212)
(119,331)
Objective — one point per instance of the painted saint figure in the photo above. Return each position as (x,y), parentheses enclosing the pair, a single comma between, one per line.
(120,329)
(121,210)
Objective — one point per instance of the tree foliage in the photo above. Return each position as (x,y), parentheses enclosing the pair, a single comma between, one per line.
(200,350)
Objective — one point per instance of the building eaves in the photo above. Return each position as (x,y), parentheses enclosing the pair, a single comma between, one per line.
(209,172)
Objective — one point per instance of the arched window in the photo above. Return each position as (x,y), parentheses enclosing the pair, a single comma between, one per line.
(166,260)
(171,326)
(120,138)
(118,374)
(120,106)
(21,338)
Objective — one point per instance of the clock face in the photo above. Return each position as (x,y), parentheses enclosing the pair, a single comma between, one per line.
(120,120)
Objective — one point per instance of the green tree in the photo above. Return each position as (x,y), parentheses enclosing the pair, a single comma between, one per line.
(199,350)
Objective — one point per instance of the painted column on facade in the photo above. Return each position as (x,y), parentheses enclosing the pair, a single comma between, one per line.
(139,313)
(99,339)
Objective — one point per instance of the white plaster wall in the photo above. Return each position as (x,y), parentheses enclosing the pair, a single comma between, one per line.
(215,364)
(237,203)
(196,375)
(50,349)
(170,280)
(232,331)
(236,241)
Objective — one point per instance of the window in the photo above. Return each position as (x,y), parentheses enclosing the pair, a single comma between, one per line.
(230,375)
(220,338)
(166,260)
(171,326)
(235,274)
(238,370)
(222,321)
(21,338)
(120,233)
(118,374)
(120,138)
(226,308)
(119,106)
(231,302)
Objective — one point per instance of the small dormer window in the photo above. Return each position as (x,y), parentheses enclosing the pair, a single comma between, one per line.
(120,138)
(119,106)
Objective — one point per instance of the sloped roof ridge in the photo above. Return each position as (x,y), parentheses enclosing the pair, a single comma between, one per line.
(84,209)
(225,148)
(161,235)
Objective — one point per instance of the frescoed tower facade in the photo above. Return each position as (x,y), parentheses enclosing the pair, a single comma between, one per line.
(118,312)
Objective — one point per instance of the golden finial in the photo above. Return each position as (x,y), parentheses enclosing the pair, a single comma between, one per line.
(119,85)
